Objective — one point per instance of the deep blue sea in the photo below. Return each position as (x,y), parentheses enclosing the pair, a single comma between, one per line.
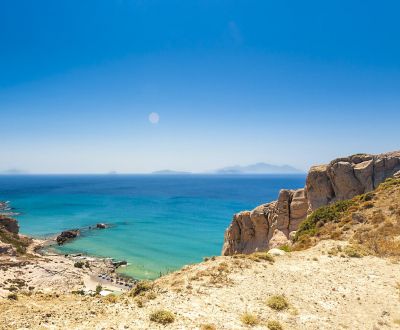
(159,223)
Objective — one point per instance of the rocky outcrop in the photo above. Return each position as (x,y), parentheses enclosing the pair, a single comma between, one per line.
(269,225)
(67,235)
(9,224)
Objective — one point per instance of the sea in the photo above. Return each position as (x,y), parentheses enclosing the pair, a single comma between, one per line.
(158,223)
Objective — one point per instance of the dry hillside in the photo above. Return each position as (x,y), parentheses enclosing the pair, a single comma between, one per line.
(342,272)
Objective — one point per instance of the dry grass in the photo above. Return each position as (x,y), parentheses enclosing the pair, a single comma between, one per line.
(371,222)
(277,302)
(208,327)
(249,319)
(111,298)
(141,287)
(162,316)
(274,325)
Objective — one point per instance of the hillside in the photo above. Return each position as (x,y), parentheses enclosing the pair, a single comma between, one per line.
(342,272)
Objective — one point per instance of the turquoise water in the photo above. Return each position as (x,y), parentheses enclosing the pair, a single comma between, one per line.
(158,223)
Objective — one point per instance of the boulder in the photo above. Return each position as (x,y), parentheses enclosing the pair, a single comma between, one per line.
(278,239)
(269,225)
(67,235)
(276,252)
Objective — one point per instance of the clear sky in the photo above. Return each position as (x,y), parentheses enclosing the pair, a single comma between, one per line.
(143,85)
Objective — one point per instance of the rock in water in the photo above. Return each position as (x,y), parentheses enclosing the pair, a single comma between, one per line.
(343,178)
(67,236)
(101,226)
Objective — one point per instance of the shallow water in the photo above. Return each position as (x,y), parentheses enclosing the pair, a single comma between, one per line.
(159,223)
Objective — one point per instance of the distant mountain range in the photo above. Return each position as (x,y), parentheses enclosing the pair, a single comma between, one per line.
(259,168)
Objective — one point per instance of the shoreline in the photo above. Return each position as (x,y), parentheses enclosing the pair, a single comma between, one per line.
(41,271)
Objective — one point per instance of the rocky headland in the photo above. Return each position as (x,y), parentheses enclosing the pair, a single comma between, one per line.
(273,224)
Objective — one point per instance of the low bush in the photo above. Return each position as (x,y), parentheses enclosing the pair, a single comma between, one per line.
(141,287)
(79,264)
(162,316)
(12,296)
(249,319)
(277,302)
(274,325)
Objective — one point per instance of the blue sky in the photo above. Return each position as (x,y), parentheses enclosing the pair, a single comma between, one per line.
(233,82)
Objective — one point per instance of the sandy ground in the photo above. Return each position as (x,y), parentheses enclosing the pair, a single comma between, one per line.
(324,292)
(53,273)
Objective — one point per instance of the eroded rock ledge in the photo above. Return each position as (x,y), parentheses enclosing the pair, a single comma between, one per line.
(270,225)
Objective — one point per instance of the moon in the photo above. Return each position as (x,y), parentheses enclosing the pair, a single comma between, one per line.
(154,118)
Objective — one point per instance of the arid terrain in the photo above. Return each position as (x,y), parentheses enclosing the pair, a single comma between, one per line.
(341,271)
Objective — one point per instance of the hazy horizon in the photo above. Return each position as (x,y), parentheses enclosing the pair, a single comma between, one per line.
(141,86)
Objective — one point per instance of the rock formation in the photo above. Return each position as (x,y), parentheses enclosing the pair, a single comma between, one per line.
(269,225)
(67,236)
(9,224)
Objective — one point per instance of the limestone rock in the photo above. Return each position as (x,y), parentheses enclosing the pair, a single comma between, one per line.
(276,252)
(269,224)
(278,239)
(9,224)
(7,249)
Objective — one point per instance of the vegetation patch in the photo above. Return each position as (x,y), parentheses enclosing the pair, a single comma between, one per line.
(208,327)
(141,287)
(79,264)
(274,325)
(111,298)
(277,302)
(249,319)
(261,256)
(326,214)
(19,243)
(12,296)
(286,248)
(162,316)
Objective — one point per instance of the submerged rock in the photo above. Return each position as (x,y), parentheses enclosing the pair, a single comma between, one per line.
(67,236)
(117,264)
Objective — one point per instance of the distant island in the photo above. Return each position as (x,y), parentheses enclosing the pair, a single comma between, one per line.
(259,168)
(170,172)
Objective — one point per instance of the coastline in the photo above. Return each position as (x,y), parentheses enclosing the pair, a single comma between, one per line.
(41,270)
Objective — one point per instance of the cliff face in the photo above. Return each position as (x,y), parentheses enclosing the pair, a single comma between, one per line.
(269,225)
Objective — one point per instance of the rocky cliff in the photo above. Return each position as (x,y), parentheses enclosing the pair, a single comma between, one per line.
(270,225)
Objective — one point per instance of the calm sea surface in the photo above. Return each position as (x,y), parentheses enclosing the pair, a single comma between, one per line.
(159,223)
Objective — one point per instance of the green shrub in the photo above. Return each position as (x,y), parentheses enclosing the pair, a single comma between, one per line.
(99,288)
(79,264)
(321,216)
(277,302)
(285,248)
(162,316)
